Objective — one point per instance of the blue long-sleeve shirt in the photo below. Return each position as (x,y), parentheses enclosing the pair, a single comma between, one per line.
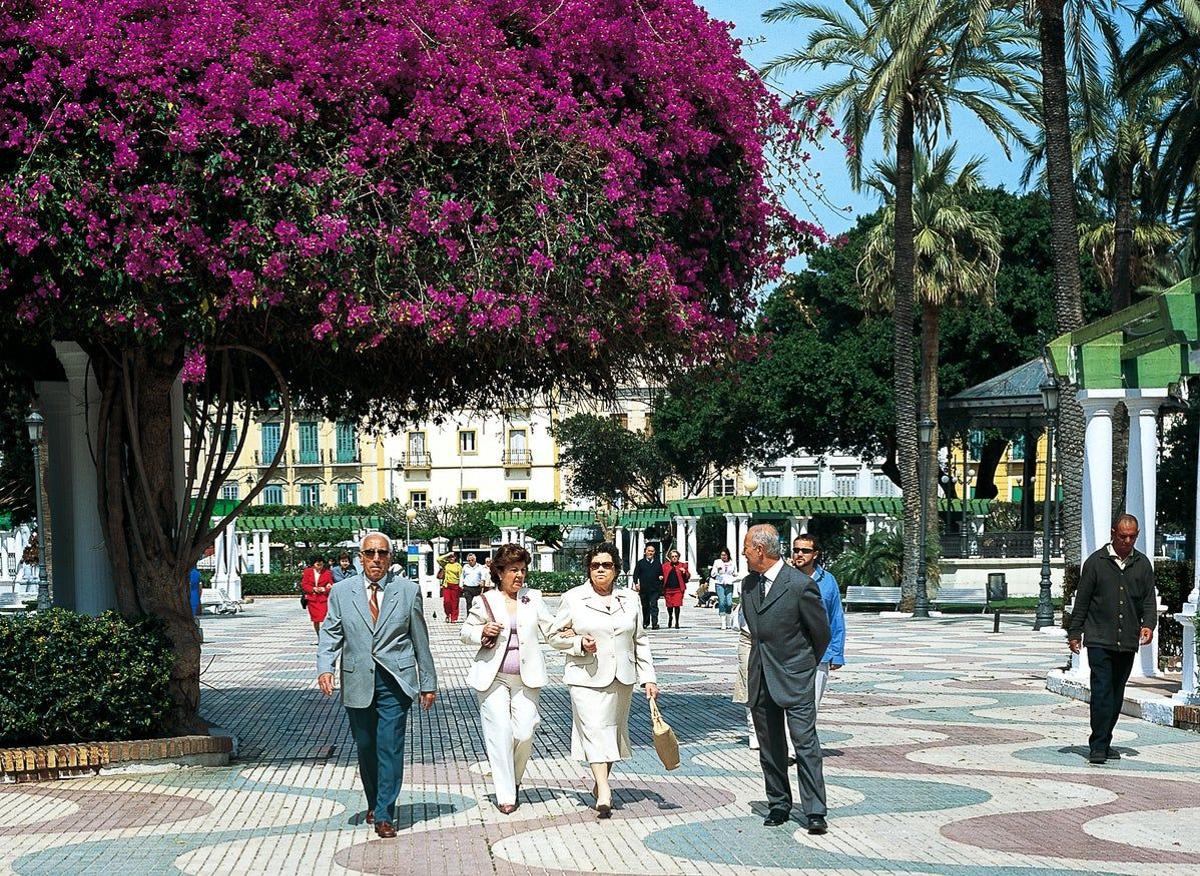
(832,597)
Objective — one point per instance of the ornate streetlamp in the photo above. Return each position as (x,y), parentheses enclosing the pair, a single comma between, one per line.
(924,439)
(409,516)
(1045,608)
(34,423)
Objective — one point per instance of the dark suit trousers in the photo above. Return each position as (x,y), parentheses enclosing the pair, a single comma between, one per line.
(650,597)
(378,732)
(771,721)
(1110,670)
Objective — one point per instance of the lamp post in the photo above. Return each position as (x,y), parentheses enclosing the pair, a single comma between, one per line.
(34,423)
(409,516)
(520,529)
(1045,608)
(924,437)
(750,482)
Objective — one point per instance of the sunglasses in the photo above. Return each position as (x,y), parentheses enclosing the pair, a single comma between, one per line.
(372,553)
(601,565)
(804,550)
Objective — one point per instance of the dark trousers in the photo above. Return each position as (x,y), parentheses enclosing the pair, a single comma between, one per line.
(378,732)
(650,599)
(1110,671)
(470,594)
(771,722)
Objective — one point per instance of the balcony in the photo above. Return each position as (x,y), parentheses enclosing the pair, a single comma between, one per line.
(263,458)
(308,458)
(517,458)
(347,456)
(415,460)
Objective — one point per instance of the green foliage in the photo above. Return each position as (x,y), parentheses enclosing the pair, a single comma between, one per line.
(67,677)
(1177,471)
(874,564)
(553,582)
(610,463)
(1173,580)
(274,584)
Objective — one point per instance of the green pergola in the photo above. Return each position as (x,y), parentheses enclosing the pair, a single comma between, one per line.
(809,506)
(530,519)
(275,523)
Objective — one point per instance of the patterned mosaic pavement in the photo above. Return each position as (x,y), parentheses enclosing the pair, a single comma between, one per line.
(944,756)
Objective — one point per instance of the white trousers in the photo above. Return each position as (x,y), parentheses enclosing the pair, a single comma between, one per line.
(509,711)
(822,680)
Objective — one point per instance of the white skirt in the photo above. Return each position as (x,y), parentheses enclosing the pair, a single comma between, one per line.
(600,722)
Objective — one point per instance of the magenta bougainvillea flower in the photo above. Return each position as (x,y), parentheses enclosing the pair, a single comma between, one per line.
(561,185)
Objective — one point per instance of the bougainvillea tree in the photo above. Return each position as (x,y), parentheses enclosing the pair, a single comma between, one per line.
(387,206)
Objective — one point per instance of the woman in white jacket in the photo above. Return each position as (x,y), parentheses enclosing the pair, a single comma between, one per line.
(505,624)
(609,653)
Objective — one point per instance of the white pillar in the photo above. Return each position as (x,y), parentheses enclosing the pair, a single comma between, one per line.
(1141,500)
(866,480)
(1097,470)
(693,553)
(731,539)
(826,485)
(264,551)
(226,578)
(743,521)
(1189,691)
(798,526)
(545,555)
(619,541)
(680,536)
(789,477)
(80,573)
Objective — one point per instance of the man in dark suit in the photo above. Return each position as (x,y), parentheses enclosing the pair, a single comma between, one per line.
(648,582)
(790,632)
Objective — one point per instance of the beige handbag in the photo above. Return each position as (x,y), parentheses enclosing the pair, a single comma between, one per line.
(665,742)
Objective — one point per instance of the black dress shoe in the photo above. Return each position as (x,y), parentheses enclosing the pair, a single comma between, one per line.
(654,627)
(817,824)
(370,816)
(1112,754)
(776,817)
(1097,757)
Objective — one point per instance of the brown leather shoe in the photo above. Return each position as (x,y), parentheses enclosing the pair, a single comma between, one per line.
(370,816)
(507,808)
(385,829)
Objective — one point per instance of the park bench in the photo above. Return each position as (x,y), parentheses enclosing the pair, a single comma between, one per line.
(962,596)
(872,596)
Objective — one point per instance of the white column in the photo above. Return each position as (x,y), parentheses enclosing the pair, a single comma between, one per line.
(731,539)
(80,575)
(826,485)
(1189,691)
(264,551)
(1097,471)
(545,555)
(235,576)
(680,535)
(743,526)
(789,477)
(866,480)
(798,526)
(693,553)
(1141,500)
(619,541)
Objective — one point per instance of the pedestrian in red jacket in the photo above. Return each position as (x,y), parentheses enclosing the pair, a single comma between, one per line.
(675,578)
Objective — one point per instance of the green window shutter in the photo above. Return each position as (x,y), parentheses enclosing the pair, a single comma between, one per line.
(308,443)
(347,443)
(270,441)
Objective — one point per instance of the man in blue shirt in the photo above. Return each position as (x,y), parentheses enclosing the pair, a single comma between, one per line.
(806,556)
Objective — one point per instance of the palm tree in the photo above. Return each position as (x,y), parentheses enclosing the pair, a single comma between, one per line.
(1166,56)
(957,251)
(907,64)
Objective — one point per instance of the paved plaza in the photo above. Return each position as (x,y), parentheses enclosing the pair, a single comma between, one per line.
(944,755)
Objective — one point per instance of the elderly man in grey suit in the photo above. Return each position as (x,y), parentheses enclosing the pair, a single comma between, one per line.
(376,624)
(790,632)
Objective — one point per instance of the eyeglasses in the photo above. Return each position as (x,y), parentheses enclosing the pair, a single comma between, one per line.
(372,553)
(804,550)
(601,565)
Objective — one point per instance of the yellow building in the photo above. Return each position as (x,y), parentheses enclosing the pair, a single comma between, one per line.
(1014,464)
(325,463)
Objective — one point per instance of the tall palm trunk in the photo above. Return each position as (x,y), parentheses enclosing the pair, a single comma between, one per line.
(930,350)
(1122,289)
(902,353)
(1064,244)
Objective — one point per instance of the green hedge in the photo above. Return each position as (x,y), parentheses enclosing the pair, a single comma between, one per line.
(1173,580)
(274,584)
(67,677)
(554,582)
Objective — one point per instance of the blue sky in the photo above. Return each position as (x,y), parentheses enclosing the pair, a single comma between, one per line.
(763,42)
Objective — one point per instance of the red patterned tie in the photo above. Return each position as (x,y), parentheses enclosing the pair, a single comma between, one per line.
(374,602)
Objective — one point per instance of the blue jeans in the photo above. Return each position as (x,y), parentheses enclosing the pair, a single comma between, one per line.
(378,732)
(725,598)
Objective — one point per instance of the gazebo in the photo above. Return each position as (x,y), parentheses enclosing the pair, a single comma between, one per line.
(1140,356)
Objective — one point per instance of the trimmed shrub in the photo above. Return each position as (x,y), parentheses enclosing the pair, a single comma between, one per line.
(554,582)
(1173,581)
(274,584)
(67,677)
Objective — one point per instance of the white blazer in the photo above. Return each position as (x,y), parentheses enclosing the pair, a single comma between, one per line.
(622,646)
(533,618)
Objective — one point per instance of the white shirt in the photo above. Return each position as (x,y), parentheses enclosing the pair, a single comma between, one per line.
(770,575)
(474,576)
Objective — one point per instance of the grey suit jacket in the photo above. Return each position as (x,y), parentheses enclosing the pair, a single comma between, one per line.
(790,632)
(399,642)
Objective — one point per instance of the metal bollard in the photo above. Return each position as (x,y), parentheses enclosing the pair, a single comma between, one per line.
(996,621)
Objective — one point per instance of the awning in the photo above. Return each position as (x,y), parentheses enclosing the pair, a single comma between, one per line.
(811,506)
(308,521)
(530,519)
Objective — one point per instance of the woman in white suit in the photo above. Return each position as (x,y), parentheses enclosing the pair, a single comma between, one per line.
(508,675)
(608,653)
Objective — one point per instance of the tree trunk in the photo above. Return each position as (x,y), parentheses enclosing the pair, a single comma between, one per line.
(1122,289)
(1064,244)
(136,463)
(1028,471)
(930,350)
(902,353)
